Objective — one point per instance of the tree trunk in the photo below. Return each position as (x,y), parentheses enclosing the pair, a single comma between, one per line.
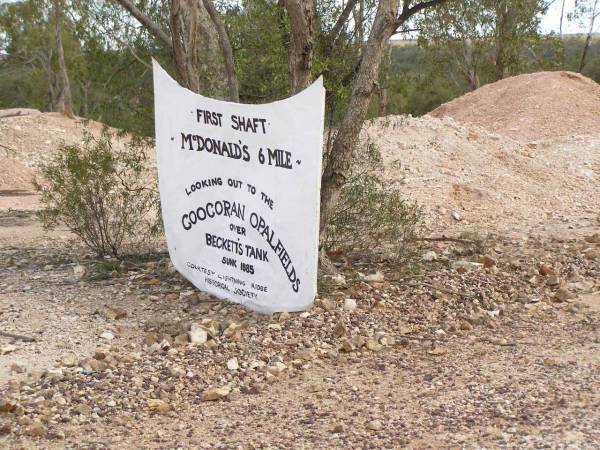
(502,27)
(359,25)
(562,15)
(470,71)
(184,23)
(225,45)
(337,166)
(301,14)
(64,104)
(588,39)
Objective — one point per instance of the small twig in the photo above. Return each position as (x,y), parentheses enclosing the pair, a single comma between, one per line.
(416,338)
(445,239)
(501,344)
(8,149)
(18,336)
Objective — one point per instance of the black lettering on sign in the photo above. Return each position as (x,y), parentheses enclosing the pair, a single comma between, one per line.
(198,143)
(211,210)
(209,117)
(259,224)
(209,182)
(221,243)
(248,124)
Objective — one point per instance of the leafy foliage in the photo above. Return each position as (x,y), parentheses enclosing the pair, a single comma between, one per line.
(100,192)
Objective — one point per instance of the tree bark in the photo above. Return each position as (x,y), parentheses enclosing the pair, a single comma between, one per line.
(502,27)
(562,15)
(588,39)
(225,45)
(184,23)
(301,14)
(65,104)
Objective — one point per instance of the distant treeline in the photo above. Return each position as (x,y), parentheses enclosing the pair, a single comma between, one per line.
(417,85)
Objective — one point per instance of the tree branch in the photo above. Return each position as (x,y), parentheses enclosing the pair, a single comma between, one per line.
(146,21)
(408,12)
(337,28)
(225,45)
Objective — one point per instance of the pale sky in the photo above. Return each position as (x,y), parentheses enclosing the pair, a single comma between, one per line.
(551,20)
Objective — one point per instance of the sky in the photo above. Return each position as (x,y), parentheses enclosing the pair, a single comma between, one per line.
(551,21)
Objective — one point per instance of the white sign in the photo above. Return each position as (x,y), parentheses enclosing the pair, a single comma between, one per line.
(239,188)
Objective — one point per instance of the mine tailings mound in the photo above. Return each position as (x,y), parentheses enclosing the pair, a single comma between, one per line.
(531,107)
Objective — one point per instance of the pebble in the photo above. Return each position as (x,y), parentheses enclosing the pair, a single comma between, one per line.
(107,335)
(213,394)
(349,304)
(429,256)
(374,425)
(233,364)
(68,360)
(36,429)
(338,428)
(465,266)
(79,270)
(158,405)
(198,336)
(375,277)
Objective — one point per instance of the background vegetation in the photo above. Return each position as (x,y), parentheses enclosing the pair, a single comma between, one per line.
(107,56)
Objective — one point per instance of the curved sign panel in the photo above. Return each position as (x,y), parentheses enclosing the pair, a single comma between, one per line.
(239,188)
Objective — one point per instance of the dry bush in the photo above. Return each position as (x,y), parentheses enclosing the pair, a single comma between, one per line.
(371,215)
(101,192)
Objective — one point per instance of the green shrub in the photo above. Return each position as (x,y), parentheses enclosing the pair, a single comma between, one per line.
(101,192)
(371,215)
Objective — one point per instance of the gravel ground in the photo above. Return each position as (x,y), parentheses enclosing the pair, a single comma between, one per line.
(453,355)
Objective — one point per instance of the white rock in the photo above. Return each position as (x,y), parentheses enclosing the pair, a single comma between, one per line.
(276,368)
(107,335)
(79,270)
(456,216)
(466,265)
(349,304)
(377,277)
(339,280)
(198,336)
(429,256)
(233,364)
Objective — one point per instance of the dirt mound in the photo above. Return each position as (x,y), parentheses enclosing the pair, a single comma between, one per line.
(492,182)
(34,138)
(29,139)
(14,176)
(531,107)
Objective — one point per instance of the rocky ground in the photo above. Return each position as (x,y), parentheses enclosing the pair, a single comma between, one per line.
(493,344)
(469,350)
